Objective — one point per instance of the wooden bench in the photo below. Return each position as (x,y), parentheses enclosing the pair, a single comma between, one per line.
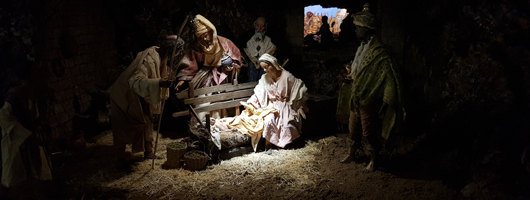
(224,96)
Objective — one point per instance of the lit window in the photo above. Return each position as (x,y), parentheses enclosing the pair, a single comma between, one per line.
(313,19)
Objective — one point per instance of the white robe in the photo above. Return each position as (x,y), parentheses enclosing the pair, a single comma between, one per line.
(285,126)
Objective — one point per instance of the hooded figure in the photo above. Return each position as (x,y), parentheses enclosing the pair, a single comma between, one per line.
(212,60)
(136,97)
(280,90)
(23,152)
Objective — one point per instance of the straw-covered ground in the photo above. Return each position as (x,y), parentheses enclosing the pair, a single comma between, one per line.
(310,172)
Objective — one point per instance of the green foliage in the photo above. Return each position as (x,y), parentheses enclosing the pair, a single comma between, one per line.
(195,155)
(177,145)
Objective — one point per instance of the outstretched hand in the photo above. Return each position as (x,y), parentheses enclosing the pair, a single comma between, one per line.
(301,112)
(165,82)
(232,67)
(229,68)
(177,87)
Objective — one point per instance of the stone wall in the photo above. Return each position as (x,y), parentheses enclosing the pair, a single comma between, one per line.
(391,32)
(294,31)
(80,55)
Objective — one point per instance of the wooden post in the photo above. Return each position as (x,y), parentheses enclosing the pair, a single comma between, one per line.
(237,107)
(235,82)
(195,115)
(190,90)
(208,124)
(157,133)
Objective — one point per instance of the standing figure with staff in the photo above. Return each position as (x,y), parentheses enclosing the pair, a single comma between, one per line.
(137,96)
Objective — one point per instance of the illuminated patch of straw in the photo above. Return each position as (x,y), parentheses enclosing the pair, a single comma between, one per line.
(292,170)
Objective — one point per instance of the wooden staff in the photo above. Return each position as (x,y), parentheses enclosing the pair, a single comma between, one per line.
(164,101)
(285,63)
(174,50)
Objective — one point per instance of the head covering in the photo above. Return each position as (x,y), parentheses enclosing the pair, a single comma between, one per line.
(261,19)
(365,18)
(271,59)
(171,41)
(173,38)
(203,25)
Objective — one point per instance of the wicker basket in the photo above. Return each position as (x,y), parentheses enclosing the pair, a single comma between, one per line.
(175,151)
(196,160)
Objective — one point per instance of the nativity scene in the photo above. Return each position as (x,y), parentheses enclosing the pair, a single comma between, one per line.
(264,100)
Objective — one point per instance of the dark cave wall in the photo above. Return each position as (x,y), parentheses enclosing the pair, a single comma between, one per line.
(72,43)
(466,78)
(80,53)
(466,62)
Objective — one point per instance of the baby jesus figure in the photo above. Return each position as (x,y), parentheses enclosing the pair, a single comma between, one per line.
(250,122)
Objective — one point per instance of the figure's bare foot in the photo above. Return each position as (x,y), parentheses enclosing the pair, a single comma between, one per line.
(370,168)
(347,159)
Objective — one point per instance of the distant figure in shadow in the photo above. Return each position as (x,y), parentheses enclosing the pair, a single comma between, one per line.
(23,153)
(310,42)
(256,46)
(326,36)
(347,33)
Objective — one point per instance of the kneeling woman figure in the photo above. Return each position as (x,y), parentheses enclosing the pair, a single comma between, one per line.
(279,89)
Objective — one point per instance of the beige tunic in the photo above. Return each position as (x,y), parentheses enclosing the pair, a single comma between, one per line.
(13,137)
(137,86)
